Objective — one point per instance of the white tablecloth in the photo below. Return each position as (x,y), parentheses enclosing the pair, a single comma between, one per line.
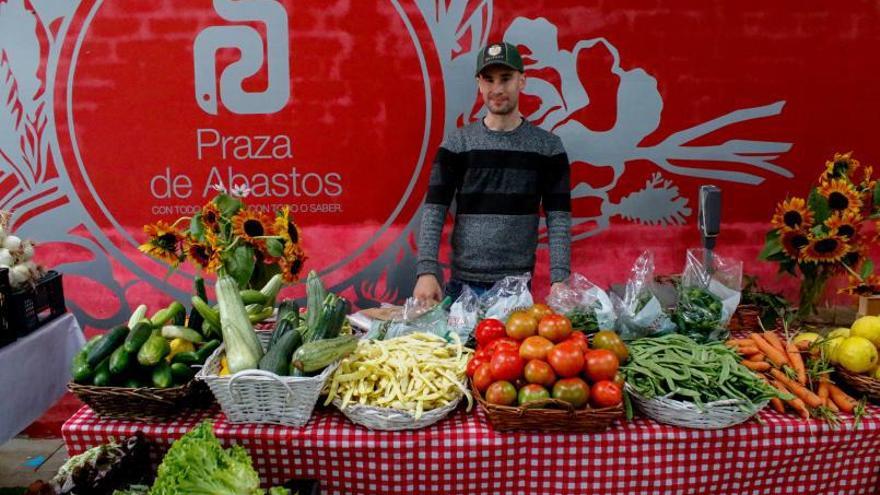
(34,372)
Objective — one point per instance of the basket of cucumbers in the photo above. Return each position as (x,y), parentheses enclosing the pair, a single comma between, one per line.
(276,376)
(144,370)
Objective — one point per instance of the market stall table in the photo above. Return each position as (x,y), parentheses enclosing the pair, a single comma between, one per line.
(34,371)
(463,455)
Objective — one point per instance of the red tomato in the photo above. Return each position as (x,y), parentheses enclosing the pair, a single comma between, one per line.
(501,393)
(502,344)
(540,310)
(489,330)
(572,390)
(520,325)
(535,347)
(601,364)
(539,372)
(554,328)
(579,339)
(567,359)
(605,394)
(531,393)
(483,354)
(473,364)
(483,377)
(507,365)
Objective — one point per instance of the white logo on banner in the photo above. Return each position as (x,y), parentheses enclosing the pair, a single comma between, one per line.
(249,42)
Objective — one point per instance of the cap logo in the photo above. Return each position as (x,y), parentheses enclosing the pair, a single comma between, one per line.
(494,50)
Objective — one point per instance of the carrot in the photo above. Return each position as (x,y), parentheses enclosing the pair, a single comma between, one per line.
(797,362)
(739,342)
(831,405)
(758,366)
(759,357)
(797,389)
(803,345)
(823,391)
(795,403)
(746,350)
(780,359)
(844,402)
(777,404)
(774,340)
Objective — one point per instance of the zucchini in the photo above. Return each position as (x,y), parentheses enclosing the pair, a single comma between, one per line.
(313,356)
(209,330)
(315,299)
(277,360)
(153,351)
(251,296)
(186,358)
(119,360)
(259,316)
(289,309)
(164,315)
(162,377)
(196,318)
(138,335)
(271,289)
(102,373)
(107,345)
(210,315)
(205,351)
(79,368)
(321,329)
(179,332)
(243,347)
(337,317)
(139,313)
(282,326)
(182,373)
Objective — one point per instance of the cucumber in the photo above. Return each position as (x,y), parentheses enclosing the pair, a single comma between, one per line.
(271,289)
(102,373)
(251,296)
(139,313)
(179,332)
(139,334)
(179,317)
(186,358)
(107,345)
(153,351)
(205,351)
(133,382)
(79,368)
(119,360)
(195,318)
(277,360)
(209,330)
(282,326)
(313,356)
(162,377)
(259,316)
(182,373)
(164,315)
(211,315)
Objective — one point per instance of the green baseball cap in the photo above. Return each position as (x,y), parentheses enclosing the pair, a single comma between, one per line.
(499,54)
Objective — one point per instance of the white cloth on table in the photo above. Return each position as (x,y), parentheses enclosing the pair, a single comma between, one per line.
(34,371)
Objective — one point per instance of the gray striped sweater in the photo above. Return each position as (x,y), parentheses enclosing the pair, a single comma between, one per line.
(499,180)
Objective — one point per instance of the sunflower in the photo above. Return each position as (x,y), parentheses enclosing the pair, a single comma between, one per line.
(211,217)
(286,228)
(249,225)
(291,263)
(862,287)
(793,243)
(841,195)
(843,165)
(164,242)
(202,254)
(868,181)
(792,214)
(829,249)
(845,224)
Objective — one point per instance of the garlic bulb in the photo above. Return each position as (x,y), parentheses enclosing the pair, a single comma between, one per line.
(19,275)
(12,243)
(27,250)
(6,259)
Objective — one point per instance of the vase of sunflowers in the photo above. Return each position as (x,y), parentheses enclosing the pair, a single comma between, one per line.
(227,237)
(828,233)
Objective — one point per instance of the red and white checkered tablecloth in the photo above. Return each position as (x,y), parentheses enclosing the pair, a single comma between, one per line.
(463,455)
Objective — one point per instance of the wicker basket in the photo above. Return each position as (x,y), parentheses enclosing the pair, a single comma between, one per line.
(388,419)
(143,404)
(257,396)
(713,416)
(864,385)
(548,415)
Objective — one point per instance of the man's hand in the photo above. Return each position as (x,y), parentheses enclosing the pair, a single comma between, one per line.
(427,289)
(556,286)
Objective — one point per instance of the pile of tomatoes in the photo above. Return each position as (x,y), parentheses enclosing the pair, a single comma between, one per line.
(537,356)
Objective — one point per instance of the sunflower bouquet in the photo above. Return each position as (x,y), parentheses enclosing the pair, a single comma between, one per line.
(824,235)
(226,236)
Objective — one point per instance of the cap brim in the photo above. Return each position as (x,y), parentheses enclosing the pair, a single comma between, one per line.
(504,64)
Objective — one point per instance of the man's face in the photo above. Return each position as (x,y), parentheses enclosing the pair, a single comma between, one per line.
(500,87)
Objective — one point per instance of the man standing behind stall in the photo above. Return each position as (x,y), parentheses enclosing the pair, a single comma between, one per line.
(500,170)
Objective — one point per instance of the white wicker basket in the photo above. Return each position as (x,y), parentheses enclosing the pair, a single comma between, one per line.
(713,416)
(387,419)
(257,396)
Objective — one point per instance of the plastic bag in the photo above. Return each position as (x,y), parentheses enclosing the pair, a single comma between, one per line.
(639,312)
(708,295)
(587,306)
(418,317)
(506,296)
(464,313)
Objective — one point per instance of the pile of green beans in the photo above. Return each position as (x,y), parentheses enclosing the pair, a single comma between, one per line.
(678,367)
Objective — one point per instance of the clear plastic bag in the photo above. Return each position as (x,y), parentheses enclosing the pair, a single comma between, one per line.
(506,296)
(639,312)
(709,293)
(419,317)
(587,306)
(465,313)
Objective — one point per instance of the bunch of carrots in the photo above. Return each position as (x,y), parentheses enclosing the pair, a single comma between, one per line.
(780,363)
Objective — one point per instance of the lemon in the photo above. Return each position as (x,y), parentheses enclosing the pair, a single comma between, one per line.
(857,354)
(806,337)
(839,332)
(875,374)
(829,348)
(867,327)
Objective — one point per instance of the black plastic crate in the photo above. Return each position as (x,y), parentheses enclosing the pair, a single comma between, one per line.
(28,309)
